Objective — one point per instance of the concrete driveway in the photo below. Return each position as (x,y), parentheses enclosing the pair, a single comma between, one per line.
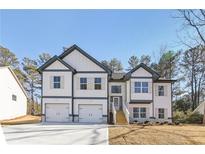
(60,134)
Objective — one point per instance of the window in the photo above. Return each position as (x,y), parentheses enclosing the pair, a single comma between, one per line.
(143,112)
(14,97)
(136,112)
(141,87)
(161,113)
(116,89)
(56,82)
(98,83)
(139,112)
(144,87)
(137,87)
(160,90)
(83,83)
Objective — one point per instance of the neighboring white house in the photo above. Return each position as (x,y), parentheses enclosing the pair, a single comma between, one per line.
(78,88)
(13,99)
(201,108)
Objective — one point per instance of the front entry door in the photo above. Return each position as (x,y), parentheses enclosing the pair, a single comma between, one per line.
(116,101)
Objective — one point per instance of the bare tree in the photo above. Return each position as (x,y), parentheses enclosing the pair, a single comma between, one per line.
(194,26)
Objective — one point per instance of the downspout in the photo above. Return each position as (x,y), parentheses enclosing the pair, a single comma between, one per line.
(108,111)
(42,96)
(171,102)
(72,99)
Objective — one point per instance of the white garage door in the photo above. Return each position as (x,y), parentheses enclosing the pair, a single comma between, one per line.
(57,112)
(90,113)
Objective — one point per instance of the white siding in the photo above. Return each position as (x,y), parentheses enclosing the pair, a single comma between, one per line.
(141,96)
(91,92)
(56,65)
(80,62)
(8,108)
(65,90)
(128,91)
(141,72)
(163,101)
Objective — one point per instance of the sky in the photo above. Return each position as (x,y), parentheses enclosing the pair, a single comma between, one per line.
(104,34)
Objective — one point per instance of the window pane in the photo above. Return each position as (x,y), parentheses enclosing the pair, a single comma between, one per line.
(143,109)
(83,80)
(98,86)
(144,90)
(56,85)
(136,115)
(137,90)
(83,86)
(137,84)
(97,80)
(135,109)
(143,115)
(144,84)
(56,78)
(116,89)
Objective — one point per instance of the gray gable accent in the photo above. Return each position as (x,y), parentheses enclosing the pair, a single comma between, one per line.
(53,59)
(155,75)
(73,47)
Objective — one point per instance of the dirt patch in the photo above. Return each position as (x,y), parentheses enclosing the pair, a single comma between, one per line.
(157,135)
(27,119)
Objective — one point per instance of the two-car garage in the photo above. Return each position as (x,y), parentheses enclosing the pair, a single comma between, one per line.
(83,112)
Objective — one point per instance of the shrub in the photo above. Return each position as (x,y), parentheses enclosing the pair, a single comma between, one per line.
(188,117)
(195,118)
(179,117)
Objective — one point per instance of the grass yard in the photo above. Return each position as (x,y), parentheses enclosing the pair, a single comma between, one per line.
(27,119)
(157,135)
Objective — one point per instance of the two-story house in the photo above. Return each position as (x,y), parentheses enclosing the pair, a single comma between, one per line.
(78,88)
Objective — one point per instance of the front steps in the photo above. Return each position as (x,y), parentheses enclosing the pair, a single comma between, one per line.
(120,118)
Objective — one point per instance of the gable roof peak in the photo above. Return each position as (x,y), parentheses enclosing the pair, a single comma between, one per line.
(73,47)
(144,66)
(53,59)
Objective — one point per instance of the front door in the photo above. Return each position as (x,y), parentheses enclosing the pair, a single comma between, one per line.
(116,101)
